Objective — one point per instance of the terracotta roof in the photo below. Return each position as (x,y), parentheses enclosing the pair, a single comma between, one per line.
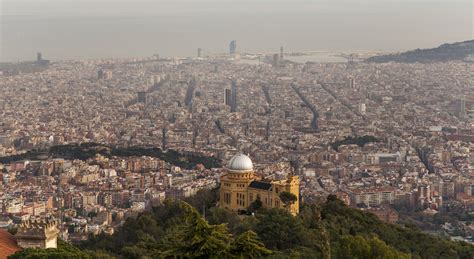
(8,245)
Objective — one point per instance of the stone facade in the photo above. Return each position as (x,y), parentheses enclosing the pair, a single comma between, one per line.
(240,187)
(38,234)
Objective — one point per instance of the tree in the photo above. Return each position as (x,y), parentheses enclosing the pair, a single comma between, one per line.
(255,205)
(279,229)
(64,250)
(247,245)
(218,215)
(287,198)
(371,248)
(196,238)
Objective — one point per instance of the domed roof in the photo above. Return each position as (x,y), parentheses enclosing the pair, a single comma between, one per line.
(240,162)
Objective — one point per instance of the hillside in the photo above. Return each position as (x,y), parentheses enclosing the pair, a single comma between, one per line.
(447,52)
(331,230)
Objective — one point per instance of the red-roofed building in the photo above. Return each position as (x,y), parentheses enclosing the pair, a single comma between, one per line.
(8,244)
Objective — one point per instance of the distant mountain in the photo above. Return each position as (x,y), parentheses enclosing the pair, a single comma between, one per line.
(459,51)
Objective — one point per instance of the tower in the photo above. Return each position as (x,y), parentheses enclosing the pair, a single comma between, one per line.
(461,108)
(233,97)
(267,131)
(227,96)
(38,234)
(163,138)
(104,74)
(233,47)
(141,97)
(281,53)
(276,60)
(199,52)
(351,82)
(40,60)
(362,108)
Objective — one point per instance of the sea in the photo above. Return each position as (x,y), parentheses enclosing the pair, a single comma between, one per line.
(86,29)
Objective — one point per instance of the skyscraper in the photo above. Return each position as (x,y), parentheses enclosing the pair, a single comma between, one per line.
(104,74)
(233,47)
(461,108)
(281,53)
(199,52)
(233,97)
(141,97)
(227,96)
(40,60)
(276,60)
(362,108)
(351,82)
(267,131)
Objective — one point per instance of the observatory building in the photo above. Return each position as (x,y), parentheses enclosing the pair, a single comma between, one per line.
(241,186)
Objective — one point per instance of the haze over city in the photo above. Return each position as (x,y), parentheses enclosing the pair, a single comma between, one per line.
(68,29)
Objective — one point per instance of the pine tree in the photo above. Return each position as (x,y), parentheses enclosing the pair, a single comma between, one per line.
(198,239)
(247,245)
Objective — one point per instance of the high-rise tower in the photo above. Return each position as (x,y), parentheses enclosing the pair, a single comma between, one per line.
(351,82)
(227,96)
(199,52)
(461,108)
(233,47)
(233,97)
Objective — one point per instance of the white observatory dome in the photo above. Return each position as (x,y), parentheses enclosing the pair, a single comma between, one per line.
(240,162)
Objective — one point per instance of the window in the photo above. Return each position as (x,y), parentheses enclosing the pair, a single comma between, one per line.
(241,199)
(227,198)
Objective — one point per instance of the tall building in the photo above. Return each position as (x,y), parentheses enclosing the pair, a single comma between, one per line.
(233,97)
(351,82)
(227,96)
(233,47)
(461,108)
(276,60)
(281,53)
(40,60)
(104,74)
(362,108)
(164,141)
(141,97)
(199,52)
(267,131)
(241,186)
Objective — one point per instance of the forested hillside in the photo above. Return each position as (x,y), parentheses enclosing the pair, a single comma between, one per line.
(177,230)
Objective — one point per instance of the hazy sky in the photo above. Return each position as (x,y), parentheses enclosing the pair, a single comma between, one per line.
(65,29)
